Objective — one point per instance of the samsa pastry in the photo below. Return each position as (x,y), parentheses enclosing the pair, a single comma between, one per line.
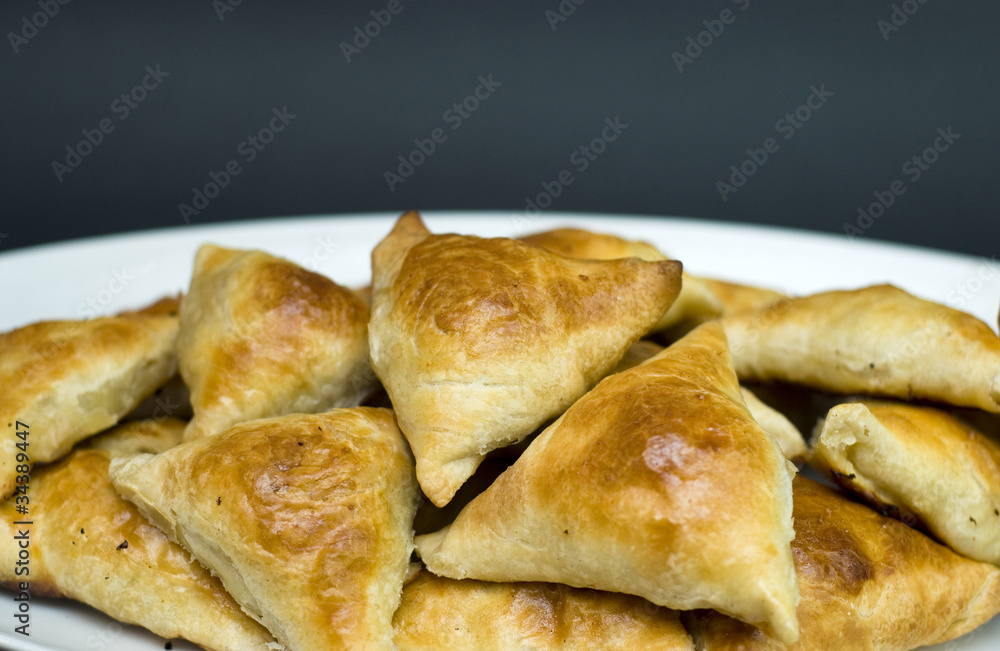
(89,544)
(261,336)
(793,445)
(480,341)
(867,583)
(877,340)
(66,380)
(657,483)
(438,613)
(775,423)
(306,519)
(921,463)
(737,297)
(694,305)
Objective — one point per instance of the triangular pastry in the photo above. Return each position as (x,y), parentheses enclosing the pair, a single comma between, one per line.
(919,462)
(306,519)
(736,297)
(88,544)
(877,340)
(148,435)
(439,613)
(657,483)
(867,582)
(480,341)
(793,445)
(695,303)
(67,380)
(261,336)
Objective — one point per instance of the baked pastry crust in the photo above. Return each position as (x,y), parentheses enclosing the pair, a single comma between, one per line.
(737,297)
(261,336)
(479,341)
(877,340)
(439,613)
(695,304)
(921,463)
(657,483)
(866,582)
(89,544)
(792,443)
(306,519)
(68,380)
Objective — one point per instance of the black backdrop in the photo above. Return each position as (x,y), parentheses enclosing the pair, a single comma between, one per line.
(117,113)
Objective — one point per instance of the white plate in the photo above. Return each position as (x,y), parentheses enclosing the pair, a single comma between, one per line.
(110,274)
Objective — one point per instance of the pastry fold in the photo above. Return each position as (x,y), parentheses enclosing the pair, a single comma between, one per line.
(657,483)
(306,519)
(89,544)
(67,380)
(920,463)
(478,341)
(867,582)
(695,304)
(261,337)
(793,445)
(737,297)
(439,613)
(877,340)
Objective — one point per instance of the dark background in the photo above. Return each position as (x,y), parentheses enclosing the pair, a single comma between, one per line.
(229,69)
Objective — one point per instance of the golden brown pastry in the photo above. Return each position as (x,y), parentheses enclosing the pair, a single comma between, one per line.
(736,297)
(89,544)
(877,340)
(588,245)
(306,519)
(657,483)
(438,613)
(867,582)
(166,306)
(152,435)
(480,341)
(922,463)
(262,337)
(694,305)
(793,446)
(66,380)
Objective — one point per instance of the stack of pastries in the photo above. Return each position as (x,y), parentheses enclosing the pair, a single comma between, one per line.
(546,443)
